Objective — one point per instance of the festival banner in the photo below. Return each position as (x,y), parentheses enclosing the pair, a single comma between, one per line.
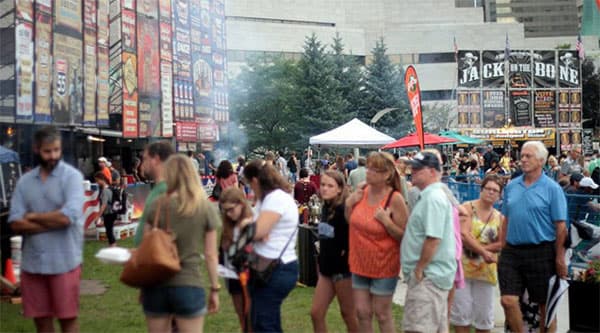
(575,108)
(148,57)
(519,75)
(103,87)
(90,15)
(219,25)
(186,131)
(24,75)
(149,8)
(520,107)
(115,91)
(43,6)
(68,85)
(164,7)
(149,117)
(102,19)
(43,67)
(411,82)
(203,80)
(492,69)
(544,69)
(568,69)
(129,37)
(114,10)
(181,14)
(130,96)
(67,14)
(468,69)
(587,139)
(493,109)
(90,80)
(544,108)
(24,9)
(463,108)
(115,34)
(128,4)
(475,109)
(183,100)
(166,77)
(569,139)
(208,131)
(165,41)
(563,108)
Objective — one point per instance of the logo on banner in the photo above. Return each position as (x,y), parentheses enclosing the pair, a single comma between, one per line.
(470,71)
(568,68)
(61,77)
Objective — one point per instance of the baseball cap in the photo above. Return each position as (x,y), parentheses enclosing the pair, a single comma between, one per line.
(588,182)
(104,160)
(425,159)
(576,177)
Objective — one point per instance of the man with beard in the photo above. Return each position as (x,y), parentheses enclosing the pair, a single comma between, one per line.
(155,155)
(47,209)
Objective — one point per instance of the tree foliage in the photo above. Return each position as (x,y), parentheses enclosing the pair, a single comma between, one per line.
(348,74)
(260,102)
(384,88)
(591,92)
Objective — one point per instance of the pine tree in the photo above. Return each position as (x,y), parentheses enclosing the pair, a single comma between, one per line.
(319,106)
(384,88)
(347,72)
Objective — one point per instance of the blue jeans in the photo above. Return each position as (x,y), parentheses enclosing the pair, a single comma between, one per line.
(265,312)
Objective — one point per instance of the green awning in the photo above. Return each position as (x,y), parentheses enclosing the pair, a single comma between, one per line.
(461,138)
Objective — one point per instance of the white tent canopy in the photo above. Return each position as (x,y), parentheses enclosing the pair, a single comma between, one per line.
(353,134)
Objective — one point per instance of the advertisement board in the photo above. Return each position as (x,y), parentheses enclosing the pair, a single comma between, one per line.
(102,19)
(148,57)
(563,108)
(128,18)
(24,70)
(164,7)
(575,108)
(130,96)
(148,8)
(43,6)
(90,80)
(186,131)
(492,69)
(43,67)
(67,94)
(519,75)
(570,138)
(166,105)
(544,69)
(166,36)
(493,108)
(520,107)
(468,69)
(103,87)
(475,109)
(568,69)
(90,15)
(67,14)
(544,108)
(24,9)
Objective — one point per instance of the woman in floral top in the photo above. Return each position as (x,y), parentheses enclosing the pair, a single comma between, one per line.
(480,228)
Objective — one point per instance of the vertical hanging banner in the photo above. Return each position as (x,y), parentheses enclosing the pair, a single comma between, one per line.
(413,91)
(493,109)
(68,84)
(182,62)
(43,67)
(166,77)
(202,68)
(148,76)
(164,8)
(575,108)
(544,69)
(148,8)
(102,26)
(128,26)
(130,96)
(519,74)
(103,87)
(24,71)
(219,63)
(165,41)
(468,69)
(544,108)
(568,69)
(90,17)
(24,9)
(68,14)
(520,105)
(492,69)
(462,108)
(563,108)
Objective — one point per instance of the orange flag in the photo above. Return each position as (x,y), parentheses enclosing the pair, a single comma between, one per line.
(411,82)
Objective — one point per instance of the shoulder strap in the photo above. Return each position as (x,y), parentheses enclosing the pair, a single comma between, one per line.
(389,199)
(288,242)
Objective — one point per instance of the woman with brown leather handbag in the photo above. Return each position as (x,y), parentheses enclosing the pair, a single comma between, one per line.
(193,222)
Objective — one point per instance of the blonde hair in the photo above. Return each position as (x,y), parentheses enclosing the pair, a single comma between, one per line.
(383,160)
(183,181)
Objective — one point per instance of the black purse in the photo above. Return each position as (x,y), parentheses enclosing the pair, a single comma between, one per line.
(261,268)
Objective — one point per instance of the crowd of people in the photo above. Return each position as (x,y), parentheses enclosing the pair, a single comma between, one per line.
(384,218)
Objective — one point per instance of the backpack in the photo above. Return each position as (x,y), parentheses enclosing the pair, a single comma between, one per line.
(118,203)
(292,165)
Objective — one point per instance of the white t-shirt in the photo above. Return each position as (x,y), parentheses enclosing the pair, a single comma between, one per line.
(281,203)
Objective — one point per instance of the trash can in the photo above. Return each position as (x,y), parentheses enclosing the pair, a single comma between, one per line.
(307,255)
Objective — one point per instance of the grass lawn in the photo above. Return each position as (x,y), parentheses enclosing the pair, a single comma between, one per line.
(118,310)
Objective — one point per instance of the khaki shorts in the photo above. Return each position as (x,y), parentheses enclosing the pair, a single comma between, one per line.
(426,307)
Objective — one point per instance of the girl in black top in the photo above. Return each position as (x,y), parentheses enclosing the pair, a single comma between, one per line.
(334,272)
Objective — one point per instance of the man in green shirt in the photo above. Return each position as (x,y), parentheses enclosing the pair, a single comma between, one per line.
(594,163)
(155,156)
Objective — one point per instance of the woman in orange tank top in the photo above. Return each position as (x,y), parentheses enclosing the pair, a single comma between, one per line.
(377,215)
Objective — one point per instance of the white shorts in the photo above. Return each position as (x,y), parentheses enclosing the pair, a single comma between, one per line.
(426,307)
(474,305)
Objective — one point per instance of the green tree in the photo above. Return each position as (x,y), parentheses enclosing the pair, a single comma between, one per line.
(319,106)
(348,74)
(260,103)
(590,85)
(384,88)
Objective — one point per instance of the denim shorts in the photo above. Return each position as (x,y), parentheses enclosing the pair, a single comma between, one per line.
(379,287)
(183,301)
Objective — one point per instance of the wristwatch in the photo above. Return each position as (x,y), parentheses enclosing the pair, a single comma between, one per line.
(216,289)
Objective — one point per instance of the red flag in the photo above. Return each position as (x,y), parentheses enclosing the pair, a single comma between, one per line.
(411,82)
(598,4)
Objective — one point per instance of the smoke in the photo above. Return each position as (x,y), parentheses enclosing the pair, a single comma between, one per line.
(233,143)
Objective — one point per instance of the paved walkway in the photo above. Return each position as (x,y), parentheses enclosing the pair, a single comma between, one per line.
(563,309)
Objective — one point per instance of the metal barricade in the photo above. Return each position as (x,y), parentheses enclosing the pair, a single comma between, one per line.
(583,216)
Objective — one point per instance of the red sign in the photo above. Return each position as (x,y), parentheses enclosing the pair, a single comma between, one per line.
(411,82)
(186,131)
